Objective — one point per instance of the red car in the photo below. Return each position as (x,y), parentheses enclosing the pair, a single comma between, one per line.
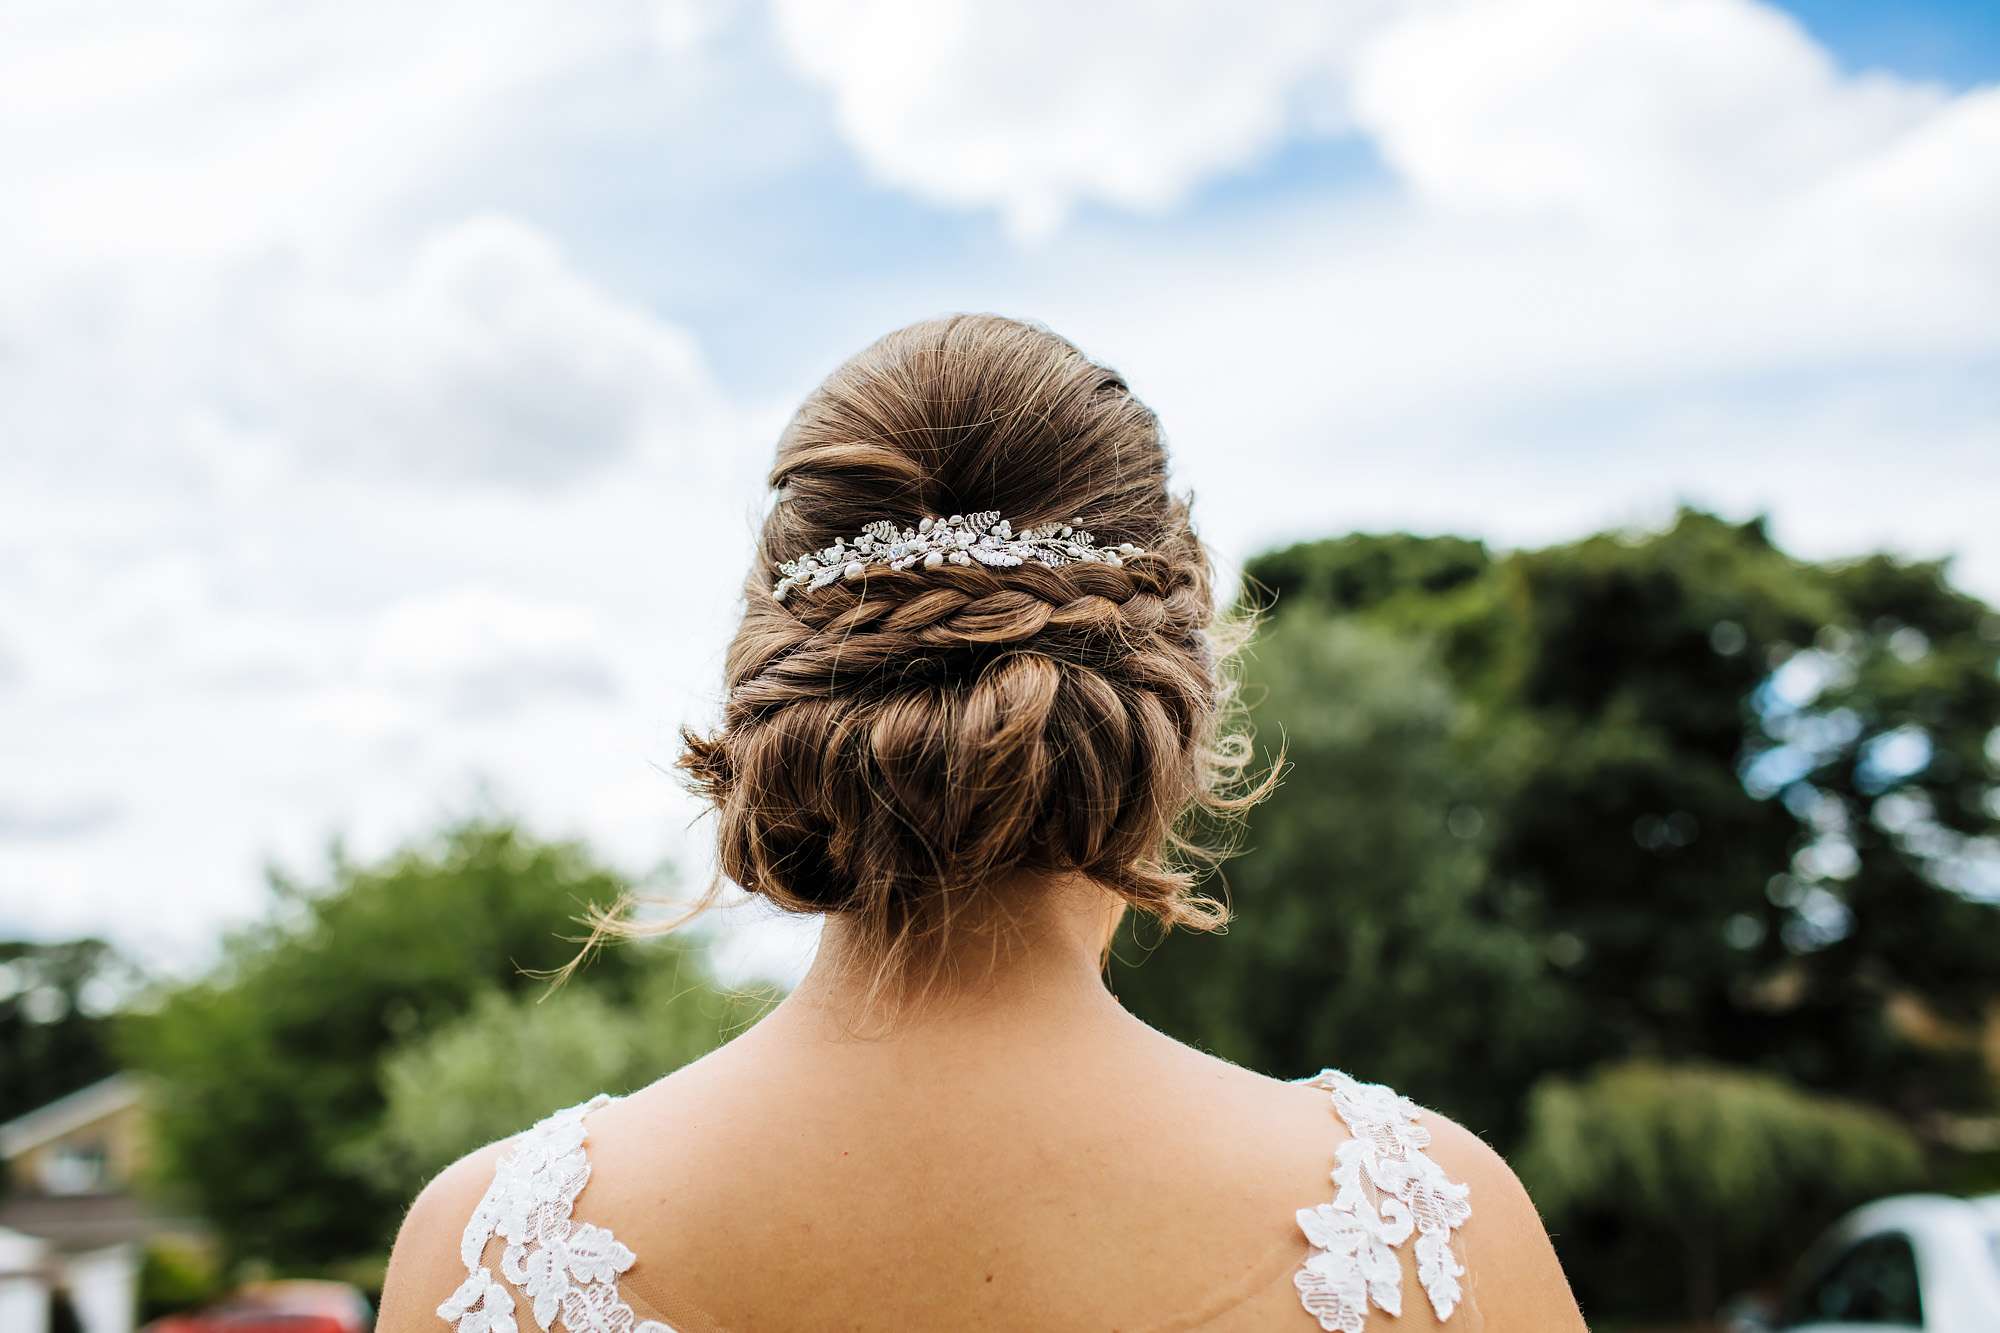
(292,1306)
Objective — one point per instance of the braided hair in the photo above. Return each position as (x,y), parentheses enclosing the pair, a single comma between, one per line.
(892,746)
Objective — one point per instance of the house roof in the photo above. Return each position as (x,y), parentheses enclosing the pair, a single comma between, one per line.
(90,1221)
(54,1119)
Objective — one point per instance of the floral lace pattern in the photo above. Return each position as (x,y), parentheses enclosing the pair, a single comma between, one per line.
(568,1270)
(1385,1188)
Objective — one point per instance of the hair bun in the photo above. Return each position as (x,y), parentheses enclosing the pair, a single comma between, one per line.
(895,741)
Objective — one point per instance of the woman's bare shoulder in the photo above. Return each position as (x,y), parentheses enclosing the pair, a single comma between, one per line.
(424,1266)
(1512,1275)
(1513,1280)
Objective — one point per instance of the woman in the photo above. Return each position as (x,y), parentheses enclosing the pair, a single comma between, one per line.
(975,688)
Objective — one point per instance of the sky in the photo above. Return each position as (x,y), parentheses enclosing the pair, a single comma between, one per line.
(386,391)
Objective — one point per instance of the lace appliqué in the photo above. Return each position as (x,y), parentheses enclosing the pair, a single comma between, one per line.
(1353,1262)
(567,1269)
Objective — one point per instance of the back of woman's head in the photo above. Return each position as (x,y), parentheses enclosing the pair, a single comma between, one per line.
(896,745)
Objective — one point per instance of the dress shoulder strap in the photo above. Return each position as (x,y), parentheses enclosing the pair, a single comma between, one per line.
(1385,1187)
(566,1270)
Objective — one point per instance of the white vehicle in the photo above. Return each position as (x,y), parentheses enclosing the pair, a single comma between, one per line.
(1917,1261)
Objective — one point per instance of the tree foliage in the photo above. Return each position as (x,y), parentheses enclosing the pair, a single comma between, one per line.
(271,1093)
(55,1002)
(1726,1173)
(513,1058)
(1738,807)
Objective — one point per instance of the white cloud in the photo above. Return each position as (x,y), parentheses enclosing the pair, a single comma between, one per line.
(1642,112)
(684,26)
(368,541)
(480,652)
(490,361)
(1598,219)
(37,817)
(1033,108)
(164,132)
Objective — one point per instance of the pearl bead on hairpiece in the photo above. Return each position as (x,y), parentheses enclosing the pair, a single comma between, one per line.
(962,539)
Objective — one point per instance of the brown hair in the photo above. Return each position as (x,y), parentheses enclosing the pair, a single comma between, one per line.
(892,747)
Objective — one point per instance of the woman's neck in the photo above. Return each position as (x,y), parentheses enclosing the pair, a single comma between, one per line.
(1039,968)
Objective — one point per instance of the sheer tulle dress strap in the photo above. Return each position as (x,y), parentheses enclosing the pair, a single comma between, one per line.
(567,1272)
(1385,1188)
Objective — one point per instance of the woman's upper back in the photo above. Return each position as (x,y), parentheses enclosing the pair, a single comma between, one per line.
(1139,1185)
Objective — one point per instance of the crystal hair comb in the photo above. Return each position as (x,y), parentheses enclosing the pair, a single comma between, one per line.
(962,539)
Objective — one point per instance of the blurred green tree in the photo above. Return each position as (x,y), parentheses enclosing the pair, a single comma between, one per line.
(270,1091)
(55,1004)
(1698,1178)
(1722,804)
(1726,736)
(513,1058)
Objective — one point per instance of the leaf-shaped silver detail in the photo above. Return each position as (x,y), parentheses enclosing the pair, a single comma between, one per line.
(958,539)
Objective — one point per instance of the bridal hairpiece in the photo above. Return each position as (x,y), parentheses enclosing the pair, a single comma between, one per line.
(961,539)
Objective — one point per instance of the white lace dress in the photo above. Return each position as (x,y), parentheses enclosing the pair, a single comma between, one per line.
(567,1271)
